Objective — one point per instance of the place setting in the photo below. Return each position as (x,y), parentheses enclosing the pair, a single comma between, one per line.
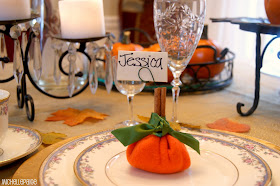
(100,155)
(100,158)
(155,150)
(105,162)
(128,155)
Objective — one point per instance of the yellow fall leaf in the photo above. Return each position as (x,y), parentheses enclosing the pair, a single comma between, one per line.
(51,137)
(173,125)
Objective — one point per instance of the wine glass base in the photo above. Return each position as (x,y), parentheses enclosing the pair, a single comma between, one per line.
(1,151)
(127,123)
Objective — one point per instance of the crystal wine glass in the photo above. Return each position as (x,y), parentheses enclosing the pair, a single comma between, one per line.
(128,88)
(178,26)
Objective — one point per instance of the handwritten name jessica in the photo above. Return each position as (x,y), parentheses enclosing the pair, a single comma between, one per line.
(130,60)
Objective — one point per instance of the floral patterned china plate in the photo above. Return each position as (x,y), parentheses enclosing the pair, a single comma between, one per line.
(19,142)
(59,164)
(216,168)
(104,163)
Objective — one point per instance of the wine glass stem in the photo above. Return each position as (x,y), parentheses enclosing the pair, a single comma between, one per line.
(175,96)
(130,107)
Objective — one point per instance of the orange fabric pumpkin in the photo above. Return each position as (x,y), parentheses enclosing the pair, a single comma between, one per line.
(204,55)
(272,9)
(159,155)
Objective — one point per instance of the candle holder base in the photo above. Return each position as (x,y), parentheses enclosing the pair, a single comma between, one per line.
(18,21)
(81,40)
(258,26)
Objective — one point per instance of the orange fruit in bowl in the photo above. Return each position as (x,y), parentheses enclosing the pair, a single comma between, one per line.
(205,55)
(156,48)
(126,45)
(272,9)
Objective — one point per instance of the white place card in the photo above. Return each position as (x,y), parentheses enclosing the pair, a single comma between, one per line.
(150,64)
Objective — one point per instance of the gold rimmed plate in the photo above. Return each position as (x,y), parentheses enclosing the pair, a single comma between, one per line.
(19,142)
(220,163)
(59,164)
(217,170)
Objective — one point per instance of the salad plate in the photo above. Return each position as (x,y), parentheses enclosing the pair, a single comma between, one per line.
(220,163)
(19,142)
(59,164)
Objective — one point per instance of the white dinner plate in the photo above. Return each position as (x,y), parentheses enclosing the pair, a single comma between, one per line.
(59,164)
(100,164)
(218,169)
(19,142)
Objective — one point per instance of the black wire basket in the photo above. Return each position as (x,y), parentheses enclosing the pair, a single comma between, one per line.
(193,83)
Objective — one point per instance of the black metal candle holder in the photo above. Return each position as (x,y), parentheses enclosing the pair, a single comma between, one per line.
(23,99)
(258,26)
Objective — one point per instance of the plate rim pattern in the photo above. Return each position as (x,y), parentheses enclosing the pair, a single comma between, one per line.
(30,150)
(267,178)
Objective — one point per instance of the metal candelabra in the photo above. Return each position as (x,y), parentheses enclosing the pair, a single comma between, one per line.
(23,55)
(13,29)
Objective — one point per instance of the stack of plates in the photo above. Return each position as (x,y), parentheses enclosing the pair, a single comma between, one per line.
(100,159)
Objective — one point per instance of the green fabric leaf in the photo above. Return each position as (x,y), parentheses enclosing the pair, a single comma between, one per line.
(187,139)
(129,135)
(157,126)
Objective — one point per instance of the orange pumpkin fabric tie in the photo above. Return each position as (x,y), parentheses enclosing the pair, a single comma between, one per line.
(162,155)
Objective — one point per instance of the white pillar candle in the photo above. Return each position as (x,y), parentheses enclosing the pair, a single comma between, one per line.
(81,18)
(14,9)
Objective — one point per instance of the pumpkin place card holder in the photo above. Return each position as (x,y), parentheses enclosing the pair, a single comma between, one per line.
(258,26)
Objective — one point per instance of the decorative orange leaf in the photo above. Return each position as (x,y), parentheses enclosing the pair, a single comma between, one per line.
(56,118)
(228,125)
(74,117)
